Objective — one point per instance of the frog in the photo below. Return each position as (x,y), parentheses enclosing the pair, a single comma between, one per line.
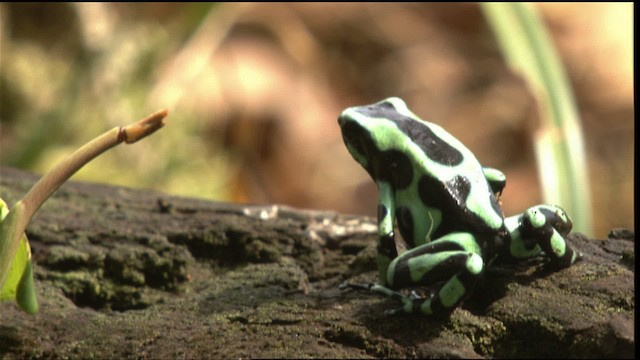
(447,209)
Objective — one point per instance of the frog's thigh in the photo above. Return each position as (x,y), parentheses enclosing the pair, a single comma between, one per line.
(386,216)
(424,267)
(459,269)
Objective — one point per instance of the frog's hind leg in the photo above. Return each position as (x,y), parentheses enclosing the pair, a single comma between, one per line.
(454,259)
(547,225)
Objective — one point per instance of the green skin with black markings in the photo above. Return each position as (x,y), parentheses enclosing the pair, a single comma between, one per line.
(446,209)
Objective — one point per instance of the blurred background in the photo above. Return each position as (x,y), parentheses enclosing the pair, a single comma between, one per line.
(254,91)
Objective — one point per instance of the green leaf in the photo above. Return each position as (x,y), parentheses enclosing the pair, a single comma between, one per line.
(19,283)
(559,143)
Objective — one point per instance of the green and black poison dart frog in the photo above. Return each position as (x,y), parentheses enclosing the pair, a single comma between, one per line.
(446,208)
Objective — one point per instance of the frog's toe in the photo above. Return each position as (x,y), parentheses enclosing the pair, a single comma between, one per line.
(393,312)
(579,257)
(347,285)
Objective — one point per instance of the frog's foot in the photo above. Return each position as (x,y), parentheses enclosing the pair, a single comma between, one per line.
(413,303)
(414,295)
(393,312)
(390,293)
(346,285)
(373,287)
(407,301)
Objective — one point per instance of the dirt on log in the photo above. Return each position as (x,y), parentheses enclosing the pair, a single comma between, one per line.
(125,273)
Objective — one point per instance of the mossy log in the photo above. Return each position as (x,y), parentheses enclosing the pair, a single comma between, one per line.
(126,273)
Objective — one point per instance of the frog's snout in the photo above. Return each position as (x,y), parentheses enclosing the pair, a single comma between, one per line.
(341,120)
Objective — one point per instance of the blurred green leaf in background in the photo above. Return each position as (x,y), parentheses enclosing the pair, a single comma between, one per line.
(559,142)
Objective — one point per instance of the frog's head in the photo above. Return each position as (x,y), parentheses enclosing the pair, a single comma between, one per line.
(370,129)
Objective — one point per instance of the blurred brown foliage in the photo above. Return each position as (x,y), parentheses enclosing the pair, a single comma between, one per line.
(254,91)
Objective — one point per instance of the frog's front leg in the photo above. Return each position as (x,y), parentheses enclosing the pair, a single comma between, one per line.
(454,259)
(542,227)
(386,247)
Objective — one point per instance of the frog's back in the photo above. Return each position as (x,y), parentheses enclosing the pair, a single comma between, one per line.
(445,175)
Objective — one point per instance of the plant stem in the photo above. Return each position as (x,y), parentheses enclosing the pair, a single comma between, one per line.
(22,212)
